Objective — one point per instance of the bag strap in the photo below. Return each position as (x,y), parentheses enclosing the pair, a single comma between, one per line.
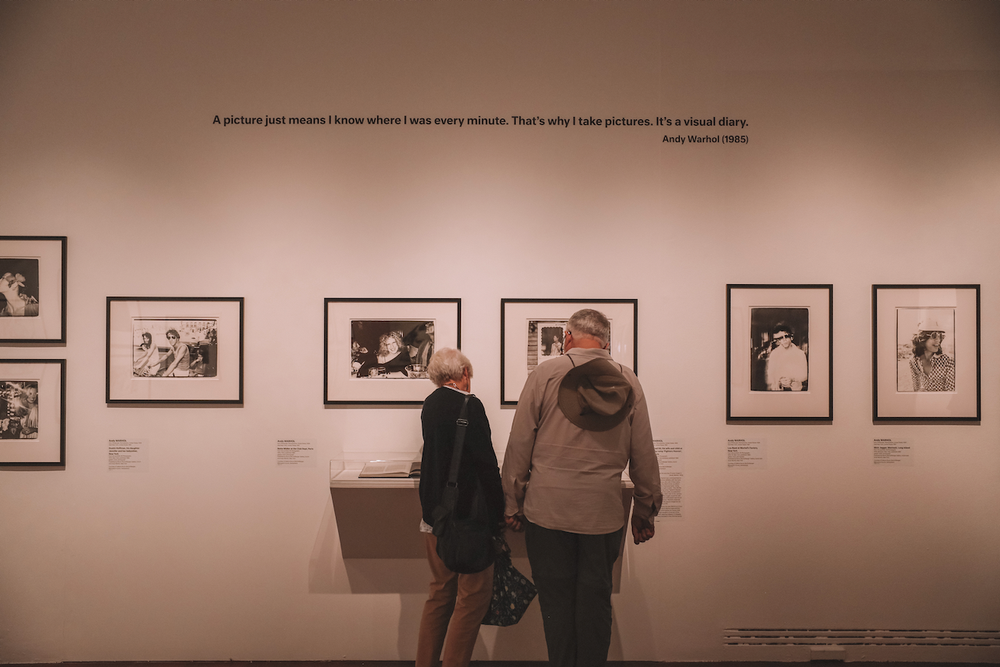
(450,496)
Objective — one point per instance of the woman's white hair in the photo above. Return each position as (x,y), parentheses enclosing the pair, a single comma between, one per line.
(589,322)
(446,365)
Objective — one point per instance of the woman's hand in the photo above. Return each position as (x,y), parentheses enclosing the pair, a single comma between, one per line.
(515,523)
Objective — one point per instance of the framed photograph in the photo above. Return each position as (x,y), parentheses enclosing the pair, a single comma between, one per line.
(175,350)
(32,412)
(376,350)
(531,332)
(780,359)
(925,353)
(32,289)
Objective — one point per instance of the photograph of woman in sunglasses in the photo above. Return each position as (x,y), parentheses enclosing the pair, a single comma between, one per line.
(779,349)
(927,359)
(174,347)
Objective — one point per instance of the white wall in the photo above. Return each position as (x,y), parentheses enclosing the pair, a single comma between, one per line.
(874,157)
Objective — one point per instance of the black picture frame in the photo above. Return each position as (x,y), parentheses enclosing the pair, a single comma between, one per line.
(518,338)
(902,390)
(353,330)
(45,446)
(211,330)
(755,392)
(40,263)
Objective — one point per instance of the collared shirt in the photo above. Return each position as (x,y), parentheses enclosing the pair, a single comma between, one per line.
(941,377)
(790,363)
(563,477)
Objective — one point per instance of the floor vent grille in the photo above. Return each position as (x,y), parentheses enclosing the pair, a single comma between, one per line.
(808,637)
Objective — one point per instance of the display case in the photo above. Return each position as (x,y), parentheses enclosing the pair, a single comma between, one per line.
(378,519)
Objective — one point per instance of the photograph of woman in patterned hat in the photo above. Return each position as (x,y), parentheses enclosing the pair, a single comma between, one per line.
(926,349)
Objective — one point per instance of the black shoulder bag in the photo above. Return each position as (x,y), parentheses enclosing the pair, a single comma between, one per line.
(464,544)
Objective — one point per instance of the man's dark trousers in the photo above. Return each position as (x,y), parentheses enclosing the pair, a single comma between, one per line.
(573,574)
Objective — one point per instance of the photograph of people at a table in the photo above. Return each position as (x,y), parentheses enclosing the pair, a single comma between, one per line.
(398,349)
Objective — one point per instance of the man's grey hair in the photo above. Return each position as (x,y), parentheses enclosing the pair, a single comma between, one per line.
(589,322)
(446,365)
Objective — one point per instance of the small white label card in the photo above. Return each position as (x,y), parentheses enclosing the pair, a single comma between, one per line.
(746,453)
(892,452)
(128,455)
(296,453)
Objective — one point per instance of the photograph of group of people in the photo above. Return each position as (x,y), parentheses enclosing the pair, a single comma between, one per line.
(173,348)
(399,349)
(18,409)
(18,287)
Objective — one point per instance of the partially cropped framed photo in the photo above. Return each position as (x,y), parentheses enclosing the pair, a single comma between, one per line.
(532,330)
(32,289)
(780,356)
(925,353)
(175,350)
(32,412)
(377,350)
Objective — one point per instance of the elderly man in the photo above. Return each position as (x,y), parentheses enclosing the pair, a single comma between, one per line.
(580,420)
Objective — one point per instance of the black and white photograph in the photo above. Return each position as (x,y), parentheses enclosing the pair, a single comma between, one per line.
(18,287)
(925,349)
(394,349)
(532,332)
(545,341)
(780,354)
(926,354)
(32,412)
(32,289)
(174,350)
(170,348)
(377,350)
(18,409)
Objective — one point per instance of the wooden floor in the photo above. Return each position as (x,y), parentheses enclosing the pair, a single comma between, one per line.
(487,663)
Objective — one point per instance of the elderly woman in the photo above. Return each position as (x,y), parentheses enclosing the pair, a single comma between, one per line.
(930,368)
(456,602)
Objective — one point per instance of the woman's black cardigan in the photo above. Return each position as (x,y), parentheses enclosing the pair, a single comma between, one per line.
(479,461)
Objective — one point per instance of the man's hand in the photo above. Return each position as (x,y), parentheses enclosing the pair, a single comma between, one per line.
(515,523)
(642,529)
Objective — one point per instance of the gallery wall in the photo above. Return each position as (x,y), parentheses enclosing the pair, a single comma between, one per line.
(873,157)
